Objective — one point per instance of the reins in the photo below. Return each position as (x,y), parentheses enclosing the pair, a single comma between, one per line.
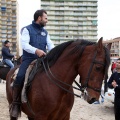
(58,80)
(80,88)
(61,81)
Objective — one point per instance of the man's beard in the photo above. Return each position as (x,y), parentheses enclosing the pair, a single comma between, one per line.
(42,24)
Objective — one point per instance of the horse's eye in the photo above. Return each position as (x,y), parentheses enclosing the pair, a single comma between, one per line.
(98,69)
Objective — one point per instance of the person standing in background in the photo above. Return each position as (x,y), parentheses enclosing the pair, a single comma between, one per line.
(113,67)
(114,82)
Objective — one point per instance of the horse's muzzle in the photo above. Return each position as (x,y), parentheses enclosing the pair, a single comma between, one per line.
(87,98)
(92,100)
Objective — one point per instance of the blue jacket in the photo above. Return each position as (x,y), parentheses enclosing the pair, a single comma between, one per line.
(38,39)
(6,53)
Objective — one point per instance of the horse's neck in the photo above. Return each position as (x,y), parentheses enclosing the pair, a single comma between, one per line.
(65,71)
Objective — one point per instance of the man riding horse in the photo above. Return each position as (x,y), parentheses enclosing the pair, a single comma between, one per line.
(7,56)
(34,39)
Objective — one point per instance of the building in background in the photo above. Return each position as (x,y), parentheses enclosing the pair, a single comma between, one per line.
(67,20)
(27,9)
(9,24)
(71,19)
(115,47)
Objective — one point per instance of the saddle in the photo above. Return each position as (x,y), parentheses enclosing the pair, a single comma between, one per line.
(3,64)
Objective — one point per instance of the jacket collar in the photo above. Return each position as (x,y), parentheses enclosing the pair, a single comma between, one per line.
(36,25)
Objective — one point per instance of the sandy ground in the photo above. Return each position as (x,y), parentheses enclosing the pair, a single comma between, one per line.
(81,109)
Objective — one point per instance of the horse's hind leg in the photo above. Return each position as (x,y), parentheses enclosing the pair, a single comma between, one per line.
(29,118)
(13,118)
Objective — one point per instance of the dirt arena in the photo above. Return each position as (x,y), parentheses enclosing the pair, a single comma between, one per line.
(81,109)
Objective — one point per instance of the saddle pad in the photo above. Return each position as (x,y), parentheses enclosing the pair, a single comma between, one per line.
(23,95)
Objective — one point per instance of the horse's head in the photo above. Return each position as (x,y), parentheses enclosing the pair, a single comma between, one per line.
(93,67)
(88,59)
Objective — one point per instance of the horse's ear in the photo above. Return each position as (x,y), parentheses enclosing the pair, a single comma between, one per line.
(100,45)
(109,46)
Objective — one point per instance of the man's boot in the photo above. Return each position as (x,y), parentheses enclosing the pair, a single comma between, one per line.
(15,108)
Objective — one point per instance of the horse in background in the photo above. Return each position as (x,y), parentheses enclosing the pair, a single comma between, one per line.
(4,69)
(51,95)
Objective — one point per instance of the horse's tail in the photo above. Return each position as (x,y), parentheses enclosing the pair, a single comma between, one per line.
(8,83)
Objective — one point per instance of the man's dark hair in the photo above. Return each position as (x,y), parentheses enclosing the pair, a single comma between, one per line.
(6,42)
(39,13)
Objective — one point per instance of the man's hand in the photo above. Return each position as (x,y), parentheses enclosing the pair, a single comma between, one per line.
(40,53)
(14,57)
(114,84)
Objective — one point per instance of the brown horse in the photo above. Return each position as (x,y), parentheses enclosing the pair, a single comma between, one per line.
(4,69)
(51,94)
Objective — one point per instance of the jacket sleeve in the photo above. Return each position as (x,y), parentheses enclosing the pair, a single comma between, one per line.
(118,87)
(50,44)
(110,81)
(7,53)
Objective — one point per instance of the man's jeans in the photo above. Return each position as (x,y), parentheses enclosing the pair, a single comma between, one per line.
(22,71)
(9,63)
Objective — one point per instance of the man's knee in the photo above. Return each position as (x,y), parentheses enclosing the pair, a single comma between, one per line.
(12,66)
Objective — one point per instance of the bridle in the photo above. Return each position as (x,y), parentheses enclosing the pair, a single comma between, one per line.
(89,72)
(81,88)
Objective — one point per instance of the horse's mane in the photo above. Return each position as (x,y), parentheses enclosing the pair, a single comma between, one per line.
(55,53)
(107,60)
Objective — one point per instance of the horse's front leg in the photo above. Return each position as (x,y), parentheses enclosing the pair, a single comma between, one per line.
(67,117)
(41,117)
